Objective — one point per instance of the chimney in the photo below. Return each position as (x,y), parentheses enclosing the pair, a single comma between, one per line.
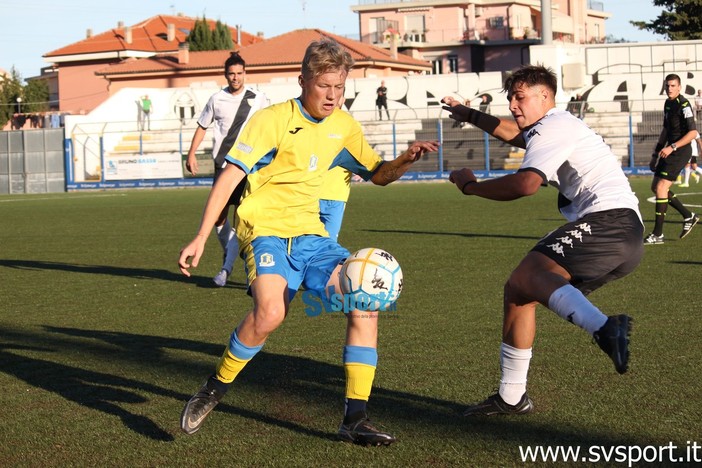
(238,34)
(183,53)
(393,45)
(88,33)
(128,34)
(120,24)
(171,32)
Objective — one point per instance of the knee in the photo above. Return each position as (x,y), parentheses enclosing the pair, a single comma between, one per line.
(268,317)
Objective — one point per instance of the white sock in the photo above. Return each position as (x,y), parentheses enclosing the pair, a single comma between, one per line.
(687,174)
(698,170)
(232,251)
(514,364)
(570,304)
(224,233)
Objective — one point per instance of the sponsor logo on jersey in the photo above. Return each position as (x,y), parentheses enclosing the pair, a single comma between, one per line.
(243,147)
(334,136)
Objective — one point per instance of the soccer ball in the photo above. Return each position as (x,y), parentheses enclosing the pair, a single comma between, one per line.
(371,279)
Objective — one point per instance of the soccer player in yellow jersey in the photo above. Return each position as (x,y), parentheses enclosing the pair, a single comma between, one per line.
(286,150)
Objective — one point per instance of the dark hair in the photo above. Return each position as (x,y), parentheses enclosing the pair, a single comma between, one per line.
(532,75)
(671,77)
(234,59)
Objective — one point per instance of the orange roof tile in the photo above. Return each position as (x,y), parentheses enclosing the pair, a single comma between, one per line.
(148,36)
(286,49)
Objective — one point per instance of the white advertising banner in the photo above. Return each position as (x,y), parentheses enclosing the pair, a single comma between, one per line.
(146,166)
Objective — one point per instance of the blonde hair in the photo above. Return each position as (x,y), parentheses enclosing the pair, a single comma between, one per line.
(323,56)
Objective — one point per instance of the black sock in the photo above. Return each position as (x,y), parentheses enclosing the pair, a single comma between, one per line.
(355,410)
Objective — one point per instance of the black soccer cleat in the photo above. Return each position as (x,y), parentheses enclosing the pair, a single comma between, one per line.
(494,405)
(613,339)
(201,404)
(688,224)
(362,432)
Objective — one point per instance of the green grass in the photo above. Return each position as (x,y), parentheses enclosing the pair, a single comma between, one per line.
(102,340)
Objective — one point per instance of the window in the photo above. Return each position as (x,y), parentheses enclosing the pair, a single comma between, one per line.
(496,22)
(414,28)
(453,63)
(437,66)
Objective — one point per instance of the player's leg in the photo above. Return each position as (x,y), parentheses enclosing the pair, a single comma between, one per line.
(360,355)
(686,176)
(268,270)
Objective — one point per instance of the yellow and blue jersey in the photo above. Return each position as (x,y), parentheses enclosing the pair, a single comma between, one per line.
(286,154)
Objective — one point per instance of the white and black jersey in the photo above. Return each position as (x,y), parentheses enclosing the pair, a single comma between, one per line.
(229,113)
(570,156)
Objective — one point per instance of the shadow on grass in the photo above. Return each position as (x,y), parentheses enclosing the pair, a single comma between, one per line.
(136,273)
(459,234)
(292,384)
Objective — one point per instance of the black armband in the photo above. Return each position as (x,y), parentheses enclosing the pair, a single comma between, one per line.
(482,120)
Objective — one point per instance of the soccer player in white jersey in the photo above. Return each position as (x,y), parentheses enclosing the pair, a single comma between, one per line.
(600,242)
(228,110)
(691,168)
(286,150)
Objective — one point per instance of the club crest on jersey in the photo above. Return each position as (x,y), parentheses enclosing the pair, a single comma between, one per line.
(266,260)
(313,163)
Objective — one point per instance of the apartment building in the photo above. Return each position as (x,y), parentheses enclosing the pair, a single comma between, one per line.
(477,35)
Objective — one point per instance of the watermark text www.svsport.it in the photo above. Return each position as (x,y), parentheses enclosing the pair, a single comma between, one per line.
(626,454)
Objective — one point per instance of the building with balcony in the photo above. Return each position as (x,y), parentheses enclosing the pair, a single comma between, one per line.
(476,35)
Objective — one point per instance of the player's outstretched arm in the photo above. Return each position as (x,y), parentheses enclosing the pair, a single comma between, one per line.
(390,171)
(509,187)
(502,129)
(219,195)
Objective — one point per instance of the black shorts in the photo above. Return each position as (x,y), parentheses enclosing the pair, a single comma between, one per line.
(669,168)
(596,249)
(235,198)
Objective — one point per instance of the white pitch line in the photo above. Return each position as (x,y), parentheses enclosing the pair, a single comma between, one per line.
(653,198)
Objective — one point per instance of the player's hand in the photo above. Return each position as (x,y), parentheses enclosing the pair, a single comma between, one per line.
(665,152)
(461,177)
(192,251)
(654,162)
(457,110)
(191,164)
(418,148)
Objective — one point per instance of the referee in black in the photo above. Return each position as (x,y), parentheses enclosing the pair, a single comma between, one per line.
(672,152)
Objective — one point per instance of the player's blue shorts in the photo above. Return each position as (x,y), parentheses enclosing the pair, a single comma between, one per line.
(303,261)
(331,212)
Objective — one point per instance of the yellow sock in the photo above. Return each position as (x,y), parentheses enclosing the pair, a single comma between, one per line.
(359,380)
(229,367)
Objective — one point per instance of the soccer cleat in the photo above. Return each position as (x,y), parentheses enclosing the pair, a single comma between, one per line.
(495,405)
(684,185)
(652,239)
(201,404)
(613,339)
(221,278)
(696,176)
(363,432)
(688,224)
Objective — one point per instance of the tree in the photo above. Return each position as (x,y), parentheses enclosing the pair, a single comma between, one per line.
(681,20)
(10,91)
(201,37)
(222,37)
(36,96)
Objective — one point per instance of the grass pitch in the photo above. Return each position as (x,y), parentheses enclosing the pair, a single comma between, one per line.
(102,340)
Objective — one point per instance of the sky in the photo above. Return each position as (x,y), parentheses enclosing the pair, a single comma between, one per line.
(32,28)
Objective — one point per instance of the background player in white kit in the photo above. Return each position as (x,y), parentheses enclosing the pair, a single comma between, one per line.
(228,110)
(600,242)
